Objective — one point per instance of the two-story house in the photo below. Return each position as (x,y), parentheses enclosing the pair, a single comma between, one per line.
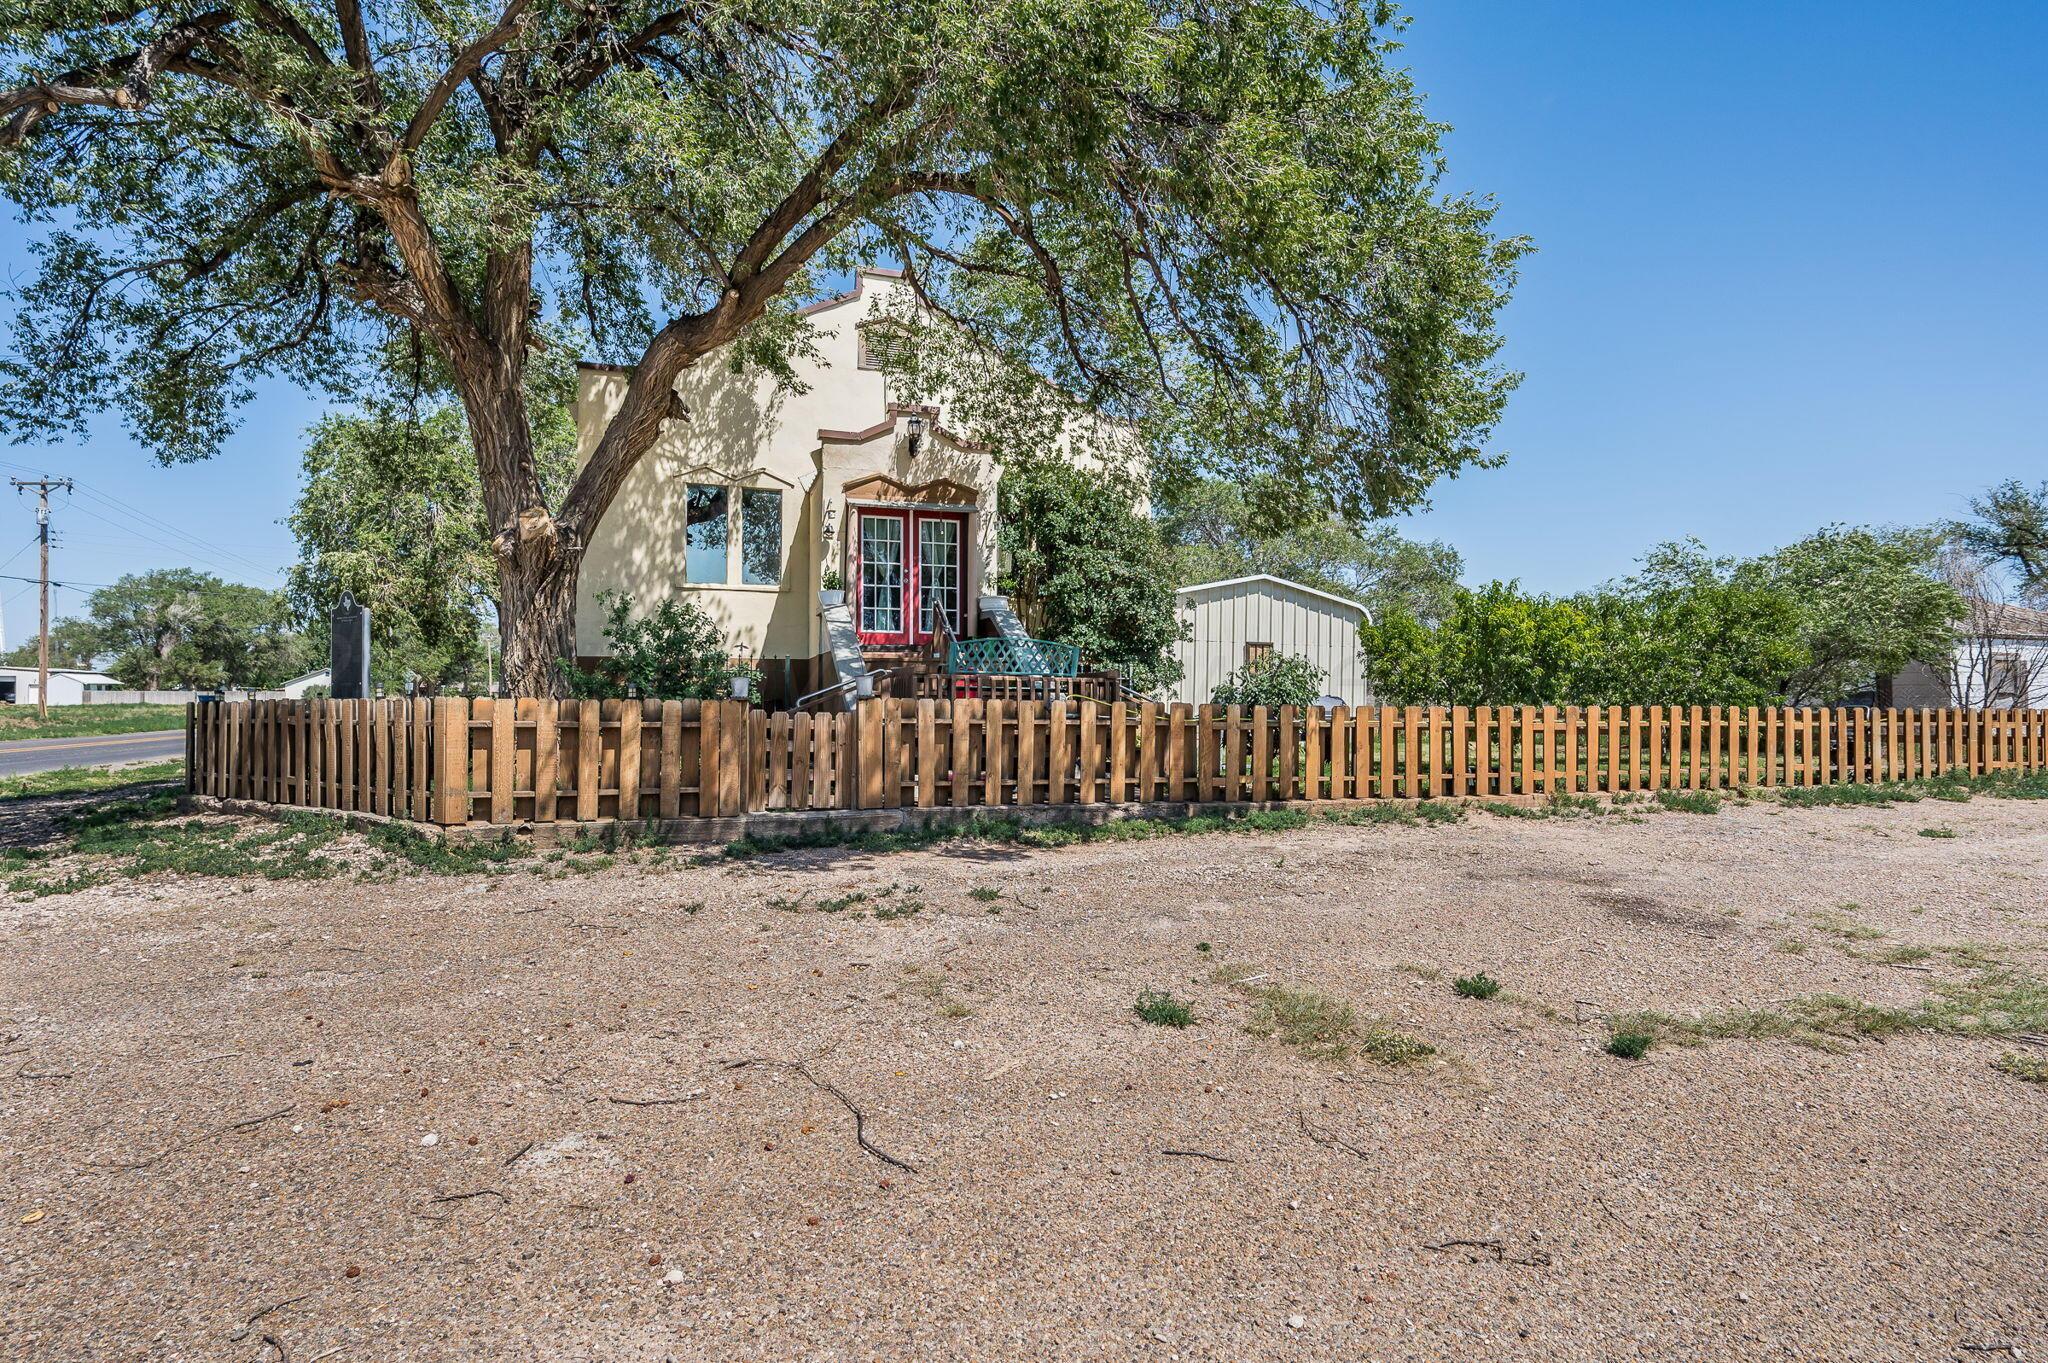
(745,507)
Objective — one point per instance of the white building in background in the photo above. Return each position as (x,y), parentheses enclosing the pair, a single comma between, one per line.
(68,686)
(296,688)
(2000,663)
(1234,621)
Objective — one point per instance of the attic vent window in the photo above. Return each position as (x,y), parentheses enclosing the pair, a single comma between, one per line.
(882,346)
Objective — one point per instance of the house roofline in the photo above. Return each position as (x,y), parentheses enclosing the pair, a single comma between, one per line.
(1287,582)
(860,274)
(896,412)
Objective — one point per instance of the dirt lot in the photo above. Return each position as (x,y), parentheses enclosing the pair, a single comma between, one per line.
(503,1115)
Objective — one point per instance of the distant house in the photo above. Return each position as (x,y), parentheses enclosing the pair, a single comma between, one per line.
(2000,662)
(296,688)
(68,686)
(1240,619)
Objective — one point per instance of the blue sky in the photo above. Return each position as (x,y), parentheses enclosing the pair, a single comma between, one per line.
(1788,273)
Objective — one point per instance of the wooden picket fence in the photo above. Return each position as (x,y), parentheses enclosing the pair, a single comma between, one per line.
(458,761)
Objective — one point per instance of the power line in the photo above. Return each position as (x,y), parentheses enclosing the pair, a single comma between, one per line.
(74,586)
(194,546)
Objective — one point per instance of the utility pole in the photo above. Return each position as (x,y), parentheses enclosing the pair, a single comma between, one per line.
(44,487)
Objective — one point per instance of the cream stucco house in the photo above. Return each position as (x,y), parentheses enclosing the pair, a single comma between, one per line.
(743,507)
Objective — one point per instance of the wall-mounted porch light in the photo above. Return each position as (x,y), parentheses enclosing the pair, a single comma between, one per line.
(915,426)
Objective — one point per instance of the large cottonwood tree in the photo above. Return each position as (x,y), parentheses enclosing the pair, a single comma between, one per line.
(1224,221)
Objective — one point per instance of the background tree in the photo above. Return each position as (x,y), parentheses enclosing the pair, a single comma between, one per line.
(2009,527)
(1086,567)
(1218,531)
(1690,630)
(1983,663)
(1224,224)
(73,643)
(178,629)
(392,512)
(1810,624)
(1496,645)
(1869,601)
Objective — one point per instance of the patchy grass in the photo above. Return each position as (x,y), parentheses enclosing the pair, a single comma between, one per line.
(1789,946)
(1937,832)
(143,835)
(1880,796)
(1996,1002)
(995,829)
(438,857)
(84,780)
(1397,813)
(1837,922)
(936,988)
(1162,1009)
(78,721)
(1689,801)
(1955,786)
(2031,1069)
(986,894)
(1320,1026)
(886,904)
(1894,955)
(1476,986)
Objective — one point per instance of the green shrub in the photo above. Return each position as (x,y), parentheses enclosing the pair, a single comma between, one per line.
(1476,986)
(674,653)
(1162,1009)
(1630,1045)
(1274,680)
(1690,801)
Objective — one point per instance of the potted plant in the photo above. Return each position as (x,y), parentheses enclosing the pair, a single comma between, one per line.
(832,588)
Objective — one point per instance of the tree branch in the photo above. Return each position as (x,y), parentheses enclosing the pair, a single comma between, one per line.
(25,107)
(465,65)
(355,41)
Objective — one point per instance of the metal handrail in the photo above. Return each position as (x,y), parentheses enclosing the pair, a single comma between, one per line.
(840,686)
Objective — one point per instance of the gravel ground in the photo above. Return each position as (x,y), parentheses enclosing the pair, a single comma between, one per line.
(500,1116)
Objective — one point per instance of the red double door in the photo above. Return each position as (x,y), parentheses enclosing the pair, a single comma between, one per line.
(910,568)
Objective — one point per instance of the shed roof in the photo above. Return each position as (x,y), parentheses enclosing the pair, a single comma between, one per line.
(1268,579)
(1997,620)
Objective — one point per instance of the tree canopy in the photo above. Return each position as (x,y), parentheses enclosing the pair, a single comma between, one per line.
(1228,225)
(1219,530)
(2009,527)
(178,628)
(1809,624)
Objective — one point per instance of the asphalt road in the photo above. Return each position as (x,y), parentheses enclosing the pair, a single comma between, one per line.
(24,755)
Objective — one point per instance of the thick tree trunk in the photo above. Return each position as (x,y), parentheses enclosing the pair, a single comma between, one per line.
(537,601)
(538,559)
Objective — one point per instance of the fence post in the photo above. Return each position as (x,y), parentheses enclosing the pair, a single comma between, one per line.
(871,746)
(451,760)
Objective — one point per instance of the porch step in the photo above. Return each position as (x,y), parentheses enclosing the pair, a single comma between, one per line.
(996,611)
(849,664)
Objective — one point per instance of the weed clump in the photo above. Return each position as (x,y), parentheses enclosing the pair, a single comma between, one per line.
(2026,1068)
(1476,986)
(1162,1009)
(1630,1044)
